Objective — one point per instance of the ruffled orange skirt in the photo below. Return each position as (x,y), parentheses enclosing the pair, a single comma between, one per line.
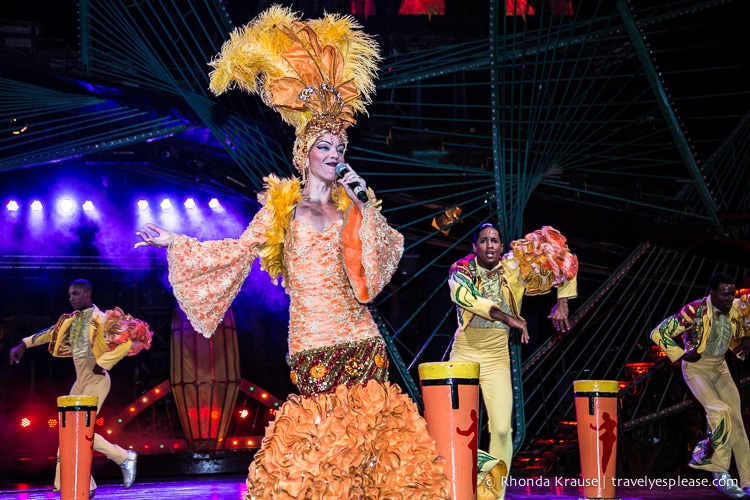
(363,442)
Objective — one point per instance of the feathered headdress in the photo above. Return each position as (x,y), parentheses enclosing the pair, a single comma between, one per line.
(318,74)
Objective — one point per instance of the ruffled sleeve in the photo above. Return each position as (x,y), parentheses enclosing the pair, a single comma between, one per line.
(372,250)
(207,276)
(542,261)
(120,328)
(743,304)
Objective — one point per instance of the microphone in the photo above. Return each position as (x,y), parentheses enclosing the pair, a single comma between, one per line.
(341,169)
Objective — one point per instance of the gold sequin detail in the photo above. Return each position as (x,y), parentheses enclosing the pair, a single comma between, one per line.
(353,367)
(318,371)
(379,361)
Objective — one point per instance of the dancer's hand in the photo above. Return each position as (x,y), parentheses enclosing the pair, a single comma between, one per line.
(16,353)
(161,239)
(559,315)
(519,323)
(498,315)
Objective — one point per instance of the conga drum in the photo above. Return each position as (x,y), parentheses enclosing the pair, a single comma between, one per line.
(451,408)
(597,420)
(77,417)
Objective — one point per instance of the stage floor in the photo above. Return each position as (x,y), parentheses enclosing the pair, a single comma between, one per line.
(233,488)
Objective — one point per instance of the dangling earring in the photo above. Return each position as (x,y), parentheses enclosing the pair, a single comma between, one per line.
(305,169)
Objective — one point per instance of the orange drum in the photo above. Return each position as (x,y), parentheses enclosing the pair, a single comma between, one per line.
(77,417)
(451,409)
(596,412)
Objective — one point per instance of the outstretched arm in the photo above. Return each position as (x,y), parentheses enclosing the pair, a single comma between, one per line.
(16,353)
(154,236)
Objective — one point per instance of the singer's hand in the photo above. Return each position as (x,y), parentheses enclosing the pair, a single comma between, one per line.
(349,179)
(162,239)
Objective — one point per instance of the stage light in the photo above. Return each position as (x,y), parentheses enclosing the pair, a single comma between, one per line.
(142,204)
(66,205)
(214,203)
(52,423)
(12,206)
(166,204)
(88,206)
(244,413)
(189,203)
(36,205)
(444,221)
(25,422)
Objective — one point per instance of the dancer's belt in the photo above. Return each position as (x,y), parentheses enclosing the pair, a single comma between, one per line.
(318,371)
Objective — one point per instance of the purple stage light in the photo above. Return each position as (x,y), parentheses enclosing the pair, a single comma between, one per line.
(190,203)
(88,206)
(36,205)
(142,204)
(12,206)
(66,205)
(214,203)
(166,204)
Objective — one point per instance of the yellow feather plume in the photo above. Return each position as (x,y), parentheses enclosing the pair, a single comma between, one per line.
(257,58)
(280,196)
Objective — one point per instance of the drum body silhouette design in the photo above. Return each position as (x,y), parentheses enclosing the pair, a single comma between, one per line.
(77,418)
(597,416)
(451,408)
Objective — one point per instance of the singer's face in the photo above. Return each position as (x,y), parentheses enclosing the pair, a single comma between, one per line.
(488,247)
(326,152)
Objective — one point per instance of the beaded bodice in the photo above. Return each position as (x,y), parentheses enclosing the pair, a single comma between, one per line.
(323,310)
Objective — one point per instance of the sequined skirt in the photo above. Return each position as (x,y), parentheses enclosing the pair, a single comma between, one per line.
(320,371)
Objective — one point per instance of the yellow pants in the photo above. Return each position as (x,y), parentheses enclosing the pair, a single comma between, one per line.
(711,383)
(489,348)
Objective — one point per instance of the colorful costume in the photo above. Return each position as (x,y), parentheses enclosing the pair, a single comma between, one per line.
(534,266)
(350,434)
(710,333)
(92,337)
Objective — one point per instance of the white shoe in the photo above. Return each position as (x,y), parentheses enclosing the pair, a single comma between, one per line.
(724,482)
(128,469)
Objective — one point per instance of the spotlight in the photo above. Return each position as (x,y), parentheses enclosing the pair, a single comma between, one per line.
(189,203)
(36,205)
(142,204)
(88,205)
(444,221)
(166,204)
(214,203)
(66,205)
(12,206)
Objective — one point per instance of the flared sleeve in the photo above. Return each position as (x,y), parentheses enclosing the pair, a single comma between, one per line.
(206,276)
(372,250)
(542,261)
